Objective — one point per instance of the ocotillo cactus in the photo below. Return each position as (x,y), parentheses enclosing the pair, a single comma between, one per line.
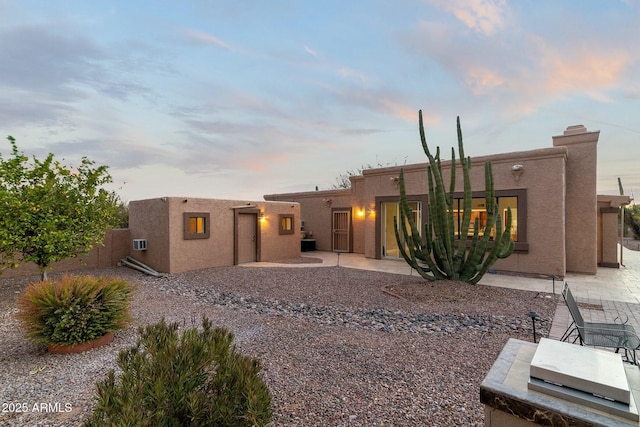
(437,251)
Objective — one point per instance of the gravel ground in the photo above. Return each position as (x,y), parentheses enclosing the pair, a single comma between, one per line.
(339,347)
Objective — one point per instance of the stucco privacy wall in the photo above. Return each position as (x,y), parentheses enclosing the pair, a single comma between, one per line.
(550,183)
(161,222)
(116,246)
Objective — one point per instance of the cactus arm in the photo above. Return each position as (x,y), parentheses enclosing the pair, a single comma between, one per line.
(417,250)
(436,249)
(441,224)
(502,248)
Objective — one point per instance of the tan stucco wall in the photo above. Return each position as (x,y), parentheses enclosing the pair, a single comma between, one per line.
(160,221)
(149,219)
(115,247)
(560,182)
(542,178)
(316,211)
(273,245)
(609,208)
(496,418)
(581,198)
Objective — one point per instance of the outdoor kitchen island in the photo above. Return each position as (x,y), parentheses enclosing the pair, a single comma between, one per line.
(555,383)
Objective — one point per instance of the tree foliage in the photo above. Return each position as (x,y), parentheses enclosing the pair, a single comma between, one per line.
(50,212)
(437,257)
(630,216)
(632,220)
(343,181)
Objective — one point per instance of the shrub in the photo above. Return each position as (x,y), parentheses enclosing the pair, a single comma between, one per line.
(75,309)
(194,379)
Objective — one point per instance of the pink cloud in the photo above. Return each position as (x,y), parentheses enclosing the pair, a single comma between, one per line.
(206,38)
(587,71)
(482,80)
(484,16)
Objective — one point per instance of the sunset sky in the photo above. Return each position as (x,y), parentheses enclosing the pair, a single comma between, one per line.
(237,99)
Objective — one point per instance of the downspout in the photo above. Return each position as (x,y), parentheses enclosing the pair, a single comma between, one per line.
(622,208)
(137,265)
(621,216)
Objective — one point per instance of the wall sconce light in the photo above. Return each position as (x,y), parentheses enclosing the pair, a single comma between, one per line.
(372,211)
(395,180)
(517,171)
(327,202)
(262,217)
(360,213)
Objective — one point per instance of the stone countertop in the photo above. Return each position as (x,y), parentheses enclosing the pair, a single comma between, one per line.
(505,388)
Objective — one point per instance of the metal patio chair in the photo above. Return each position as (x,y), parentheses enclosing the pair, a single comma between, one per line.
(598,334)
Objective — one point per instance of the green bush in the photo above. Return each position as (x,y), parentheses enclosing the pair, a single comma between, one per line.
(191,379)
(75,309)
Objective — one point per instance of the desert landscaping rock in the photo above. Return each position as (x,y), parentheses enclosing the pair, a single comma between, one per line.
(335,349)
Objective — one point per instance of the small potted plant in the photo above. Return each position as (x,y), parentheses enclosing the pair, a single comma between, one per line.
(75,313)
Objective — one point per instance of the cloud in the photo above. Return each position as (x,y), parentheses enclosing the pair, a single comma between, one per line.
(31,110)
(361,132)
(482,80)
(520,70)
(310,51)
(483,16)
(205,38)
(37,58)
(350,73)
(49,73)
(583,70)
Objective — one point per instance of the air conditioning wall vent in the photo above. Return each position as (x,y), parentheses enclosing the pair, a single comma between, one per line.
(139,244)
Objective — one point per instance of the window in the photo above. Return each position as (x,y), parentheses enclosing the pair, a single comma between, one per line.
(515,200)
(286,223)
(196,225)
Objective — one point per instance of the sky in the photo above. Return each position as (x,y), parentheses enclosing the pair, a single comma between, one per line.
(238,99)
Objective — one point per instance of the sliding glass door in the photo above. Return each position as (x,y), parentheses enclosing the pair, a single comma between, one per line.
(389,210)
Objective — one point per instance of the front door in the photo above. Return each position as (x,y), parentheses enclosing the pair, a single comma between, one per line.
(341,230)
(247,238)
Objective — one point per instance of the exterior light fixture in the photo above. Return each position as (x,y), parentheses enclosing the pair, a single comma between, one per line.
(327,202)
(395,180)
(262,217)
(360,213)
(517,171)
(372,211)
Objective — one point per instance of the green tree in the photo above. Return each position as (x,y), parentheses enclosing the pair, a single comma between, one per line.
(121,212)
(440,257)
(50,212)
(632,220)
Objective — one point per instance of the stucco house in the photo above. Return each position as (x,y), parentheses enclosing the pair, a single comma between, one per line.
(560,224)
(177,234)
